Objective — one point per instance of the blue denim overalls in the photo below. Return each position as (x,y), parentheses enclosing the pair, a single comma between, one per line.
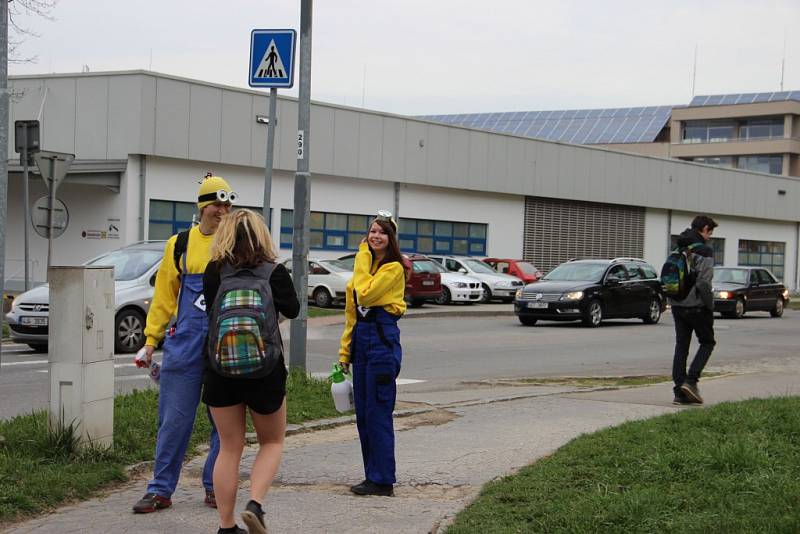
(181,381)
(376,355)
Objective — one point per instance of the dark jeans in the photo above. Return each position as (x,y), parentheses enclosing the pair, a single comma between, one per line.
(687,320)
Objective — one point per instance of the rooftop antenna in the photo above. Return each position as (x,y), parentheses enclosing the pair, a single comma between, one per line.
(783,58)
(150,68)
(364,86)
(694,69)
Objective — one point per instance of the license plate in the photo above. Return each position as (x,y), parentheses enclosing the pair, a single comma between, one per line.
(427,282)
(537,305)
(33,321)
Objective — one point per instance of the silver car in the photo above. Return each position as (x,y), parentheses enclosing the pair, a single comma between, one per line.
(135,268)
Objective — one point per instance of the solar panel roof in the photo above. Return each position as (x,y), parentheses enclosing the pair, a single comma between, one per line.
(744,98)
(577,126)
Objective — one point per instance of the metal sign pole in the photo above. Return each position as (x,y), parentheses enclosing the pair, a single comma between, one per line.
(3,148)
(51,207)
(302,194)
(26,203)
(273,98)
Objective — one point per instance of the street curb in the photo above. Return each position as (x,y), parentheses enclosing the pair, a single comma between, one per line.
(340,319)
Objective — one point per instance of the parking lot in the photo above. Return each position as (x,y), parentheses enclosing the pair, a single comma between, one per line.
(446,345)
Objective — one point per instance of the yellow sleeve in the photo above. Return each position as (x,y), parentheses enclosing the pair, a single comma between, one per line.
(385,288)
(349,322)
(165,299)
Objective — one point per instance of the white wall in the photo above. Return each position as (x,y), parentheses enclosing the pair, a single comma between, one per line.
(732,229)
(89,207)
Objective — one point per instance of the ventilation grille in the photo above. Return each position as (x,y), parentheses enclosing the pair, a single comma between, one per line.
(558,230)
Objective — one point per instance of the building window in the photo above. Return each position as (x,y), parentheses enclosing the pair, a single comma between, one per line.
(753,129)
(167,218)
(338,231)
(768,164)
(717,161)
(768,254)
(708,131)
(717,244)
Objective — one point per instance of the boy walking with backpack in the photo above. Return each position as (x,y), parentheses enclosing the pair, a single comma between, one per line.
(692,301)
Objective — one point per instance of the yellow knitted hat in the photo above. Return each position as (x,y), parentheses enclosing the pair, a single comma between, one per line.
(208,187)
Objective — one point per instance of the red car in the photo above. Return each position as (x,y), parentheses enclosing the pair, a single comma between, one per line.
(424,283)
(523,270)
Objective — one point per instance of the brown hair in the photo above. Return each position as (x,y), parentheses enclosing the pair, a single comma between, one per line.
(242,239)
(393,248)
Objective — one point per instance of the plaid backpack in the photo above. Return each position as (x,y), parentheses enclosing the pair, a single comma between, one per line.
(244,340)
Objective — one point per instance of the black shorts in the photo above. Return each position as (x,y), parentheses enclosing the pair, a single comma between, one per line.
(262,395)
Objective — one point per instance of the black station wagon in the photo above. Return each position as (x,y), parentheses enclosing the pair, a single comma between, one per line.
(593,290)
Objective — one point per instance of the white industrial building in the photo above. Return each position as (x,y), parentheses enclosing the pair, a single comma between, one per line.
(143,140)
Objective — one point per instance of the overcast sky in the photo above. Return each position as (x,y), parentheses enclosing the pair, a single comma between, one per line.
(446,56)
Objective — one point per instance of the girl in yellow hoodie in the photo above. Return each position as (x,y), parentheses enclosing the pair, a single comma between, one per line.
(371,343)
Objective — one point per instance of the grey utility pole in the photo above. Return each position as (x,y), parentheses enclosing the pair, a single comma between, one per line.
(26,204)
(302,194)
(273,99)
(3,146)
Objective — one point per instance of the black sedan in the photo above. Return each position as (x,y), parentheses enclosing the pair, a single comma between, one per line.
(738,290)
(593,290)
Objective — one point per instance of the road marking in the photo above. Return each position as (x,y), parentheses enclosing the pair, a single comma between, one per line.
(123,378)
(32,362)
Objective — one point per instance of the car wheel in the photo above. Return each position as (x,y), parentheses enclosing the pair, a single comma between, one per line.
(527,321)
(654,312)
(487,294)
(777,311)
(322,298)
(38,347)
(444,298)
(129,330)
(593,315)
(738,312)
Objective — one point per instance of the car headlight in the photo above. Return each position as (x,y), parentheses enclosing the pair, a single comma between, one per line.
(518,294)
(724,294)
(14,302)
(460,285)
(572,295)
(786,294)
(503,283)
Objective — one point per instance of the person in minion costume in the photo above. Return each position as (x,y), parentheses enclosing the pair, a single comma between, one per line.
(371,344)
(179,291)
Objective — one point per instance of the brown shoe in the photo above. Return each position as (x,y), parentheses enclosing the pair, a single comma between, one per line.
(211,499)
(692,393)
(151,503)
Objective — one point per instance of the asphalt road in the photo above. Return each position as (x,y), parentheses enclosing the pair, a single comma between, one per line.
(441,352)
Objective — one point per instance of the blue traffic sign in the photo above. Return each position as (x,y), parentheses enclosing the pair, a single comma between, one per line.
(272,58)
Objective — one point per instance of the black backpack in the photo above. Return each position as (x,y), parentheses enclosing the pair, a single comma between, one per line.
(244,340)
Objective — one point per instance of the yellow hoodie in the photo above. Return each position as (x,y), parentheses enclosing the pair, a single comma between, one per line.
(382,287)
(168,282)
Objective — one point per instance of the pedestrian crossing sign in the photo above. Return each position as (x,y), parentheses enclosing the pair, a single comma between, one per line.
(272,58)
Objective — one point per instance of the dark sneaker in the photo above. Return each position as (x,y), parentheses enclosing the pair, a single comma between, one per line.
(151,503)
(370,488)
(211,499)
(253,517)
(681,400)
(234,530)
(692,393)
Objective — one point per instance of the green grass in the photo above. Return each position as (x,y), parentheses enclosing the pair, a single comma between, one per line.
(794,304)
(734,467)
(324,312)
(5,330)
(42,468)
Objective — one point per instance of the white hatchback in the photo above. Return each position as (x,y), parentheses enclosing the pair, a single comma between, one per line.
(327,281)
(456,287)
(495,285)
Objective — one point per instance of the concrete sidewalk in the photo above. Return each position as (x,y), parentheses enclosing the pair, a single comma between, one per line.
(449,443)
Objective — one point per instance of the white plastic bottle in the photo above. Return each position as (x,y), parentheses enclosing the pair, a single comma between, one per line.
(141,361)
(342,390)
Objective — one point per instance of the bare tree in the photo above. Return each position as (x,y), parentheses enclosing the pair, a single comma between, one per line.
(19,33)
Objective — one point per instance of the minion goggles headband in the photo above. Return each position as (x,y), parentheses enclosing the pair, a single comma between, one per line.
(219,196)
(385,216)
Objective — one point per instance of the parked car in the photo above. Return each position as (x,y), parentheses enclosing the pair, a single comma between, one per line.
(457,287)
(523,270)
(422,285)
(738,290)
(135,268)
(327,280)
(495,285)
(593,290)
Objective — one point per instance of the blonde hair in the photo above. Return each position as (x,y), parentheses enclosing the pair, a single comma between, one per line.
(242,238)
